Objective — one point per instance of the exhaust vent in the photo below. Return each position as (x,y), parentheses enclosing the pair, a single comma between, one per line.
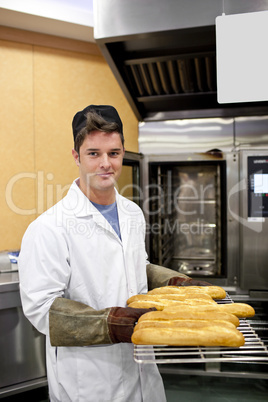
(163,56)
(184,74)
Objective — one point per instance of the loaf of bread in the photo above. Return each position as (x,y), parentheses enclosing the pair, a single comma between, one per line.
(188,316)
(213,335)
(188,313)
(216,292)
(241,310)
(151,304)
(182,324)
(160,304)
(171,296)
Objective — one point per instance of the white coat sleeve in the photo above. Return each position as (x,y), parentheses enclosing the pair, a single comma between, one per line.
(44,271)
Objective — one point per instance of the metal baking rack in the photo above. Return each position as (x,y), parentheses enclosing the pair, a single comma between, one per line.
(254,350)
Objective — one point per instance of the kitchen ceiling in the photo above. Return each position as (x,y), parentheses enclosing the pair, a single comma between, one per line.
(64,18)
(74,11)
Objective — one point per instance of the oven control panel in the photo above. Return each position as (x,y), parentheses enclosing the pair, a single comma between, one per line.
(257,186)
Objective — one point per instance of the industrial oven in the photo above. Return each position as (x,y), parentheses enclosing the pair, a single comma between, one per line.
(206,204)
(206,216)
(205,199)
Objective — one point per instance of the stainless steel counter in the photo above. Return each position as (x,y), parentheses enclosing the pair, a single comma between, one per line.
(22,347)
(9,280)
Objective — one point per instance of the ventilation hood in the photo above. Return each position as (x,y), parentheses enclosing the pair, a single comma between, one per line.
(163,55)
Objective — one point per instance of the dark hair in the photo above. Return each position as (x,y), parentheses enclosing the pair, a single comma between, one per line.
(95,122)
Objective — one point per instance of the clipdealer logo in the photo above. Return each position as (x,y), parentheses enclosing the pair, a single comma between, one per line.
(46,194)
(88,227)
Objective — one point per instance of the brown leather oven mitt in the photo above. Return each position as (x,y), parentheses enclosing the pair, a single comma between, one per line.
(176,281)
(121,322)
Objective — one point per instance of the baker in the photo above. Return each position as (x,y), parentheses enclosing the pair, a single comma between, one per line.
(79,263)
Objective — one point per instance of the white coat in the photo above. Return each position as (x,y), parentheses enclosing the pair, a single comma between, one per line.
(71,251)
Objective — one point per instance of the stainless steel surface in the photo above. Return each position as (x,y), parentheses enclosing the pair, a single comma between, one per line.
(188,135)
(201,135)
(9,281)
(245,253)
(253,234)
(153,15)
(251,132)
(22,348)
(232,224)
(193,268)
(141,17)
(9,394)
(245,256)
(204,255)
(8,261)
(5,264)
(163,55)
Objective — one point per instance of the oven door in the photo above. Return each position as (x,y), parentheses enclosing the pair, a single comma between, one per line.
(188,213)
(129,184)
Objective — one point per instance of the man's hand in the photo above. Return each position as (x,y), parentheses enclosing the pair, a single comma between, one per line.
(176,281)
(121,322)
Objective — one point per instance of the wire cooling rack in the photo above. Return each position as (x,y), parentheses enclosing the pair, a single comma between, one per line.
(254,350)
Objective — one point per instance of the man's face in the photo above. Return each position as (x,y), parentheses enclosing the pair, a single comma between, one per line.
(100,162)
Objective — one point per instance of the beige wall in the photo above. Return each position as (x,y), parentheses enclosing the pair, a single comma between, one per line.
(42,87)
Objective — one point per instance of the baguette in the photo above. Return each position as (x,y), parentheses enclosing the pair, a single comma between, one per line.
(160,304)
(171,296)
(207,336)
(216,292)
(190,314)
(182,323)
(150,304)
(241,310)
